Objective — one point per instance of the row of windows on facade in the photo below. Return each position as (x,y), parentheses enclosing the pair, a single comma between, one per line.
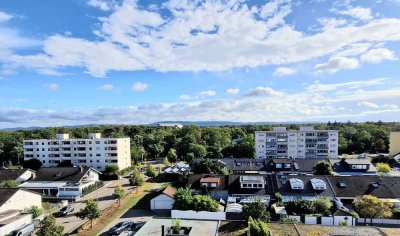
(252,185)
(69,142)
(69,149)
(299,151)
(294,134)
(78,161)
(271,140)
(69,155)
(300,145)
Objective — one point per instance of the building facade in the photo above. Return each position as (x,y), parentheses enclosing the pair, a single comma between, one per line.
(304,143)
(95,151)
(394,143)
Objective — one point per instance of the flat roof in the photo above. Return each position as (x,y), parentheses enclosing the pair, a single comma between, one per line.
(199,227)
(45,184)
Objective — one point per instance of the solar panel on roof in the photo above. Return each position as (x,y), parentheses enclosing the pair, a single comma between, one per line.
(342,184)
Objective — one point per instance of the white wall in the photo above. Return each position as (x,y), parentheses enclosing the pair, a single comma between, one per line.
(201,215)
(162,202)
(25,176)
(310,220)
(21,200)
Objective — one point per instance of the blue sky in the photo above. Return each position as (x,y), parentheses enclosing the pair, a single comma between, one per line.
(132,62)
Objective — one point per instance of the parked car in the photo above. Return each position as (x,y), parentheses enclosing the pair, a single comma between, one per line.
(65,210)
(24,231)
(363,155)
(396,169)
(138,225)
(120,227)
(127,233)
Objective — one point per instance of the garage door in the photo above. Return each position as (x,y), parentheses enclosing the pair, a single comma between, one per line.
(162,204)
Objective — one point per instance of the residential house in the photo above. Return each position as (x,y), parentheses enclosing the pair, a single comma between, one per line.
(18,175)
(215,185)
(62,182)
(353,166)
(394,139)
(177,171)
(13,202)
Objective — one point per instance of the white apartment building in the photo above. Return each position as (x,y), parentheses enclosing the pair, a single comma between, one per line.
(95,151)
(304,143)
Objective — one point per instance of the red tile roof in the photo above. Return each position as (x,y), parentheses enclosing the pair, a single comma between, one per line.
(209,180)
(169,191)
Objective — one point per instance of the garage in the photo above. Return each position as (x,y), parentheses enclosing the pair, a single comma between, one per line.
(164,201)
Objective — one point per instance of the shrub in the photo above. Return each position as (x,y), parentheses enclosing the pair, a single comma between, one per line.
(151,171)
(35,211)
(258,227)
(9,184)
(322,206)
(396,213)
(91,188)
(176,226)
(111,172)
(136,178)
(383,168)
(301,207)
(323,168)
(204,203)
(183,199)
(256,210)
(33,164)
(371,207)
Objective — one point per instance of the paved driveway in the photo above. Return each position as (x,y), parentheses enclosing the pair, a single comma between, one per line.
(104,197)
(130,215)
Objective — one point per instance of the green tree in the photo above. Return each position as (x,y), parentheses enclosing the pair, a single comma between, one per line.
(258,228)
(35,211)
(91,211)
(371,207)
(301,207)
(136,178)
(48,227)
(205,166)
(111,172)
(323,168)
(166,162)
(198,150)
(383,168)
(322,205)
(204,203)
(151,171)
(119,192)
(171,156)
(256,210)
(183,199)
(33,164)
(9,184)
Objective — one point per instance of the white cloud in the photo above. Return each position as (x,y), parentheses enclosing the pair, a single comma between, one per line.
(263,91)
(5,17)
(139,87)
(106,87)
(284,71)
(104,5)
(360,13)
(334,64)
(368,105)
(52,87)
(184,97)
(207,93)
(318,87)
(377,55)
(204,36)
(232,91)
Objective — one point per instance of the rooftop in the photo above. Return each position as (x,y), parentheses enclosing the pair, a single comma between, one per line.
(6,194)
(70,174)
(169,191)
(199,227)
(11,174)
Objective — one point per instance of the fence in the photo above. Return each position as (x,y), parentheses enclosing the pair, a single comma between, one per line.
(324,220)
(198,215)
(378,222)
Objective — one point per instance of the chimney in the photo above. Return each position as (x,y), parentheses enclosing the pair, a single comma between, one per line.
(162,230)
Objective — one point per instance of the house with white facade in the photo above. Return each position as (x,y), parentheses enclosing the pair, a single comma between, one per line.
(62,182)
(304,143)
(94,151)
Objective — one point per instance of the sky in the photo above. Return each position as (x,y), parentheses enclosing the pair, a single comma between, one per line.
(76,62)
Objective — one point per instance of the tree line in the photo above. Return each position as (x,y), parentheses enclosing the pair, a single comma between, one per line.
(151,142)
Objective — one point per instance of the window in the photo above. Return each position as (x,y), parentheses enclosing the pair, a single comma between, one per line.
(213,185)
(97,148)
(278,165)
(98,154)
(97,142)
(287,166)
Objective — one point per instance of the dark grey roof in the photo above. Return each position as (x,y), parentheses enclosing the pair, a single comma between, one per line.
(70,174)
(233,186)
(267,165)
(11,174)
(342,165)
(6,194)
(355,186)
(285,189)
